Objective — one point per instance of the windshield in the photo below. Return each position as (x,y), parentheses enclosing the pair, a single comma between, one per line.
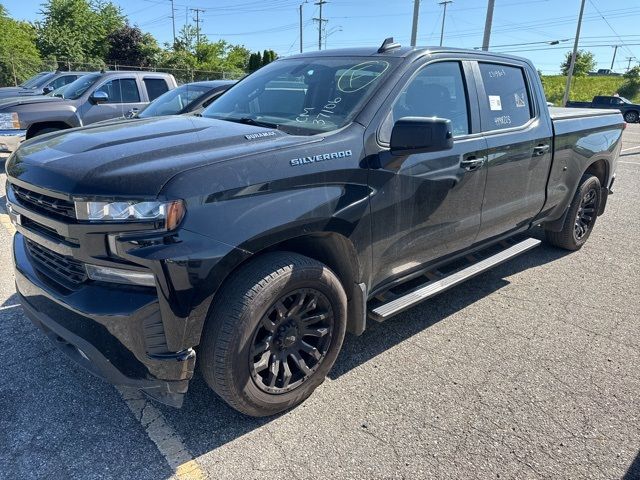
(304,95)
(58,91)
(32,81)
(38,81)
(76,88)
(173,101)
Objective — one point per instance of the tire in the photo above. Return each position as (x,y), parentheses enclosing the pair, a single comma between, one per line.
(256,316)
(581,217)
(631,116)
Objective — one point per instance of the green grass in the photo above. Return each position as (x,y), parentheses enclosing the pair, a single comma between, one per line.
(583,89)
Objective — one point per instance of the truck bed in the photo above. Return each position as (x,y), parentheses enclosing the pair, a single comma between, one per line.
(564,113)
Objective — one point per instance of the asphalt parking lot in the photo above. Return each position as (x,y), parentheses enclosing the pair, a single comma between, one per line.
(531,370)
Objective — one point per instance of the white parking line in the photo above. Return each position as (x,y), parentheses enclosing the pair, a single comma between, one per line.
(7,307)
(630,148)
(629,163)
(167,440)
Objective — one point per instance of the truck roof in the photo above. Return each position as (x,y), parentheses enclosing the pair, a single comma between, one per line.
(398,52)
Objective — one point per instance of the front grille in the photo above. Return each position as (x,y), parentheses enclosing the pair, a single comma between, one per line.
(56,266)
(43,203)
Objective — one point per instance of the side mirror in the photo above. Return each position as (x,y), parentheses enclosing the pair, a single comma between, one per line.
(46,90)
(420,135)
(99,97)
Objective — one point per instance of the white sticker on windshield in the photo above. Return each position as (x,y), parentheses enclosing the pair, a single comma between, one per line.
(519,100)
(494,102)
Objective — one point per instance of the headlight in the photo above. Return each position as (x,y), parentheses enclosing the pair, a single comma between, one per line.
(171,213)
(9,121)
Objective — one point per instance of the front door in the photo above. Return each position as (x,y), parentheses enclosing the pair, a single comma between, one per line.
(124,95)
(430,204)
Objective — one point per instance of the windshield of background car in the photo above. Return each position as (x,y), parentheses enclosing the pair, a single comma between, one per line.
(76,88)
(30,83)
(304,95)
(40,81)
(173,101)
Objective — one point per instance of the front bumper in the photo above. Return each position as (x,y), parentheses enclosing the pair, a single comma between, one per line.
(11,139)
(104,331)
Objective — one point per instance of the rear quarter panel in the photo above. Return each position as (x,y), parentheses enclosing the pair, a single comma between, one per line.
(578,143)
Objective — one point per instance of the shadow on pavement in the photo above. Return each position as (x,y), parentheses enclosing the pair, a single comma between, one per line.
(634,469)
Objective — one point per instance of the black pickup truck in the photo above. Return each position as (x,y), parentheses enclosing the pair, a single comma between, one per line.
(322,191)
(630,111)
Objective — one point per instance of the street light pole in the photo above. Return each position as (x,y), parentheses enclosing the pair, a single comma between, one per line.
(444,16)
(615,50)
(572,64)
(301,25)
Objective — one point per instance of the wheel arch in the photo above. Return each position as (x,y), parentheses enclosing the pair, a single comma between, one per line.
(35,127)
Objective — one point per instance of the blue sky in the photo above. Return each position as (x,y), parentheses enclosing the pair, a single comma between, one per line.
(274,24)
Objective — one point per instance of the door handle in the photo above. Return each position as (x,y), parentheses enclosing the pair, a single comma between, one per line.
(540,150)
(472,162)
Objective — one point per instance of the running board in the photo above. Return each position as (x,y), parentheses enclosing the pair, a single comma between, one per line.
(434,287)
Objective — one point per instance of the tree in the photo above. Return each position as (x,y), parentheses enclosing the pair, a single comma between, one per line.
(19,57)
(76,31)
(631,86)
(268,56)
(585,63)
(129,46)
(255,61)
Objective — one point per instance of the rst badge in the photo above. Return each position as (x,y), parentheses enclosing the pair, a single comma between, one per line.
(319,158)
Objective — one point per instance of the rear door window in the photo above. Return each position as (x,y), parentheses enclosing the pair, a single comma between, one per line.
(155,87)
(507,102)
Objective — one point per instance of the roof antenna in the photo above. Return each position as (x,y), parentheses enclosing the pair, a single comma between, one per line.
(387,45)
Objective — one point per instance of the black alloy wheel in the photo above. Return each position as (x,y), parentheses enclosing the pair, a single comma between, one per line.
(586,214)
(291,340)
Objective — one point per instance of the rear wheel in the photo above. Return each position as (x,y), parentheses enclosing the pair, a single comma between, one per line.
(274,333)
(581,216)
(631,117)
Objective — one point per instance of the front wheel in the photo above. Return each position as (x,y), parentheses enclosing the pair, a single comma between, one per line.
(581,216)
(274,333)
(631,117)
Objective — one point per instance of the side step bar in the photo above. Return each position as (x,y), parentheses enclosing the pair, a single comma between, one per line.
(434,287)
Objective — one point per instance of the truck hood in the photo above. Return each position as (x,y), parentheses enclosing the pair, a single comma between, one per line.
(27,100)
(135,158)
(18,91)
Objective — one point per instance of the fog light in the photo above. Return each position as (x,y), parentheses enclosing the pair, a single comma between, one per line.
(120,275)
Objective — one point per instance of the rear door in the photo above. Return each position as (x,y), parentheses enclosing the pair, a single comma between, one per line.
(519,141)
(124,95)
(430,204)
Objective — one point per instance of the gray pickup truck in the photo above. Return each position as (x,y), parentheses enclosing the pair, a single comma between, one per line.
(91,98)
(323,191)
(41,84)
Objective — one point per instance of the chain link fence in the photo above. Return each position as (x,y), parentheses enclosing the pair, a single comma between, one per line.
(15,70)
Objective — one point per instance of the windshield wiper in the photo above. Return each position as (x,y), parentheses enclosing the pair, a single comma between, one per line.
(251,121)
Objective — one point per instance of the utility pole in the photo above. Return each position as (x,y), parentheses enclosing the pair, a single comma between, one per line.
(414,28)
(615,50)
(173,22)
(305,1)
(321,22)
(197,10)
(444,16)
(572,64)
(629,59)
(487,25)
